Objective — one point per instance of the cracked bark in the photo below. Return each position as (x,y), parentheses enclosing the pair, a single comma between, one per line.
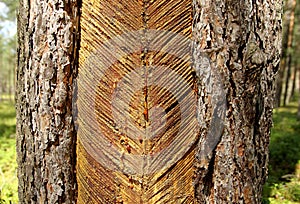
(242,40)
(48,42)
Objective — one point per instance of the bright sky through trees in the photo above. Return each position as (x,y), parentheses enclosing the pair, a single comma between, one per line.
(8,28)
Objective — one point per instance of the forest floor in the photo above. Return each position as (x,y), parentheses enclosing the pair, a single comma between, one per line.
(8,165)
(283,185)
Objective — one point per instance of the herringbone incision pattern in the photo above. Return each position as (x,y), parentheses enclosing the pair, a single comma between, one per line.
(136,104)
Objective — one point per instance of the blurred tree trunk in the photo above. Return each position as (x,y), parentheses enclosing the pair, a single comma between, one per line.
(10,85)
(294,77)
(47,44)
(288,27)
(2,80)
(288,80)
(289,50)
(298,114)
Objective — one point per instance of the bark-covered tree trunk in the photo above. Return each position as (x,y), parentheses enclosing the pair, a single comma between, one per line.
(48,40)
(236,52)
(242,40)
(152,126)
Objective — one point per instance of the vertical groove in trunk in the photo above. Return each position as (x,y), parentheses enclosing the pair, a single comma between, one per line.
(242,41)
(47,57)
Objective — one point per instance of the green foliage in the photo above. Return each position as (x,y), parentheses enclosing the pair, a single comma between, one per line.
(286,191)
(8,165)
(283,185)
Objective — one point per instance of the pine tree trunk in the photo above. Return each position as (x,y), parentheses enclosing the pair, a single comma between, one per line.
(294,78)
(137,129)
(236,53)
(47,38)
(289,20)
(286,96)
(152,127)
(242,40)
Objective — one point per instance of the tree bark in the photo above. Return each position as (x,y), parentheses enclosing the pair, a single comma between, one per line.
(242,40)
(152,127)
(47,56)
(236,57)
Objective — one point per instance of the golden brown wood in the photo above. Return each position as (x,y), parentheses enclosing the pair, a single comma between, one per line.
(155,137)
(137,135)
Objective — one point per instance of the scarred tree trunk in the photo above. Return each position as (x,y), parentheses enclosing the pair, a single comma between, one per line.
(236,50)
(152,127)
(47,37)
(137,129)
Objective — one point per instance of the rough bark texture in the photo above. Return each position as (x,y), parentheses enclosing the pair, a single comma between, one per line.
(47,52)
(235,52)
(242,40)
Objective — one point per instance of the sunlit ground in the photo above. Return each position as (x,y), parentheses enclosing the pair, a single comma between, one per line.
(8,166)
(283,185)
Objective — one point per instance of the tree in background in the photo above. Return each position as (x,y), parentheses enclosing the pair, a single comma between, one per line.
(8,50)
(289,69)
(291,30)
(235,52)
(12,6)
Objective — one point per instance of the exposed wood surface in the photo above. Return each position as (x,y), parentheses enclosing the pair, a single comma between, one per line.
(152,127)
(124,96)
